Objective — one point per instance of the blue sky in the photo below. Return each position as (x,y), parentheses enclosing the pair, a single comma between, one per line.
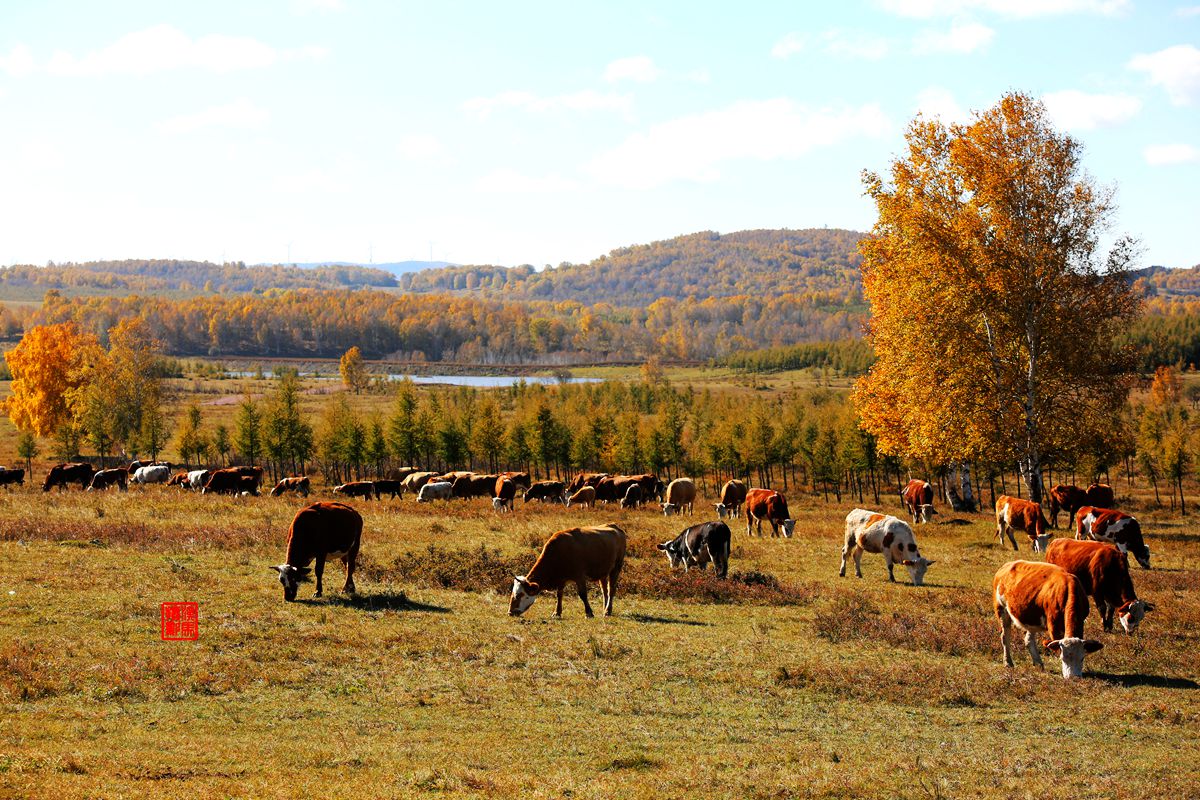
(540,132)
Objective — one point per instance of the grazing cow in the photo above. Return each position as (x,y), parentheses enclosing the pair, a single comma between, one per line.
(414,482)
(733,494)
(388,486)
(586,479)
(650,485)
(363,489)
(197,478)
(157,473)
(633,496)
(179,479)
(698,545)
(299,484)
(574,555)
(1103,571)
(251,472)
(247,486)
(520,479)
(681,494)
(473,485)
(435,490)
(11,476)
(1100,495)
(400,473)
(1043,598)
(319,532)
(1068,498)
(223,481)
(772,506)
(62,474)
(584,496)
(109,477)
(868,532)
(505,490)
(1013,513)
(918,499)
(1115,527)
(545,490)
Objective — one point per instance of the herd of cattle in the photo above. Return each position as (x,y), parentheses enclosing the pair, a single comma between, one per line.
(1049,597)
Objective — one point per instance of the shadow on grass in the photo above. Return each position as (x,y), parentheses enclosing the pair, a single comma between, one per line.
(379,601)
(667,620)
(1137,679)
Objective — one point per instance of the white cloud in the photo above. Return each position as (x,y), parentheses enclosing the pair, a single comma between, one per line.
(510,181)
(938,102)
(1162,154)
(586,100)
(1176,69)
(635,68)
(1079,111)
(163,47)
(693,148)
(238,114)
(18,62)
(420,146)
(789,45)
(963,37)
(1008,8)
(1188,11)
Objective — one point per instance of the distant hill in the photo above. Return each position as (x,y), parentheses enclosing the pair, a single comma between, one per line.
(394,267)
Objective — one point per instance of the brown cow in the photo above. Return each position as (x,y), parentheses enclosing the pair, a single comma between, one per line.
(223,481)
(584,496)
(1043,598)
(504,491)
(1103,571)
(586,479)
(1114,527)
(319,532)
(681,494)
(62,474)
(918,499)
(520,479)
(472,485)
(1013,513)
(178,479)
(1100,495)
(299,484)
(388,486)
(247,486)
(414,482)
(251,472)
(574,555)
(11,476)
(770,505)
(105,478)
(545,490)
(1068,498)
(733,494)
(363,489)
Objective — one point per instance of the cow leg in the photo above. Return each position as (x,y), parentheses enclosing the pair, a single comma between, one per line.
(1107,610)
(887,559)
(319,570)
(581,585)
(1031,643)
(858,554)
(350,560)
(612,590)
(1011,538)
(558,608)
(845,552)
(1005,631)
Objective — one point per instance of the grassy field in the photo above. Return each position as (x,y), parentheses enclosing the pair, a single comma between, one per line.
(422,685)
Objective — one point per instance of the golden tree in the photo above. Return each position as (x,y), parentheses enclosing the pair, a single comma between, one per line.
(354,370)
(993,308)
(48,366)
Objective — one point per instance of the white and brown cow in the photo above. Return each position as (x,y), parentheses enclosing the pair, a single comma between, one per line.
(918,499)
(583,496)
(504,490)
(681,494)
(319,532)
(869,532)
(772,506)
(575,555)
(1103,571)
(1013,513)
(733,494)
(1115,527)
(1043,598)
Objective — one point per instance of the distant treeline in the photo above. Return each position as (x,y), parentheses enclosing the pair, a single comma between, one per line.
(849,358)
(189,277)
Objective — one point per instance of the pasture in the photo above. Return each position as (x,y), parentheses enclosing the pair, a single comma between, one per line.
(785,681)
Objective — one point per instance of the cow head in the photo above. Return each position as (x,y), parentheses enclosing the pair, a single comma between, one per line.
(1131,613)
(1072,651)
(722,510)
(669,509)
(788,525)
(1041,541)
(523,595)
(1142,554)
(674,552)
(916,568)
(925,511)
(291,577)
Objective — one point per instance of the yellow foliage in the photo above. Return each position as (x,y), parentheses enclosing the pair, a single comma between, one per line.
(47,367)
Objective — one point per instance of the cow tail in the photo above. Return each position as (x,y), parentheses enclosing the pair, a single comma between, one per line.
(728,552)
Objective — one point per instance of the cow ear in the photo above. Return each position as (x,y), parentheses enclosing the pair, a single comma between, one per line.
(1053,646)
(1149,606)
(663,546)
(929,561)
(1091,645)
(532,588)
(887,539)
(278,568)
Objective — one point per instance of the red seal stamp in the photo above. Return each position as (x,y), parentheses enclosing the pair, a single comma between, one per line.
(180,622)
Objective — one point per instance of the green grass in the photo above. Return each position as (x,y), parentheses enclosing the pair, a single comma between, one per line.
(423,686)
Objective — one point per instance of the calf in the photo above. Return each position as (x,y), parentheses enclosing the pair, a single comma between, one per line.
(585,496)
(1065,497)
(388,486)
(868,532)
(1013,513)
(1103,571)
(575,555)
(62,474)
(770,505)
(733,494)
(319,532)
(299,484)
(504,491)
(10,476)
(105,478)
(363,489)
(681,494)
(1043,598)
(1115,527)
(918,499)
(436,490)
(633,496)
(545,490)
(700,544)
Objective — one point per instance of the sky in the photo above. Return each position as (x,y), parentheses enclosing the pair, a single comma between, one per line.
(544,132)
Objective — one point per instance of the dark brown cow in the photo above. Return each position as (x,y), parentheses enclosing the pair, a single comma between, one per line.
(319,532)
(733,494)
(918,499)
(520,479)
(586,479)
(105,478)
(223,481)
(363,489)
(1103,570)
(468,486)
(633,496)
(1068,498)
(11,476)
(248,485)
(251,472)
(1013,513)
(576,555)
(505,489)
(1100,495)
(400,473)
(1115,527)
(178,479)
(388,486)
(545,490)
(299,484)
(612,488)
(772,506)
(62,474)
(1043,598)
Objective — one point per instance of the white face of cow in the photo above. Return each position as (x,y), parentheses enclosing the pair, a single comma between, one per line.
(669,509)
(1131,614)
(916,569)
(721,510)
(523,595)
(1040,543)
(925,512)
(789,525)
(290,577)
(1072,652)
(673,552)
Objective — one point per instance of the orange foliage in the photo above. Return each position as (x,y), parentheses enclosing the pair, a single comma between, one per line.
(47,368)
